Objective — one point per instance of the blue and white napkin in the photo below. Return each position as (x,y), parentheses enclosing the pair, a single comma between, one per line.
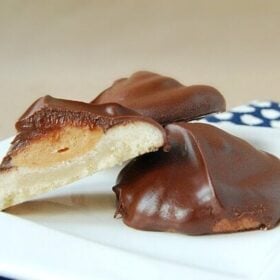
(256,113)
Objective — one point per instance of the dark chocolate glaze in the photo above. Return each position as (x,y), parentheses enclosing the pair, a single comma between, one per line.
(209,181)
(48,114)
(162,98)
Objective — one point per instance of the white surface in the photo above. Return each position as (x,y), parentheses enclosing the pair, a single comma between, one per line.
(71,234)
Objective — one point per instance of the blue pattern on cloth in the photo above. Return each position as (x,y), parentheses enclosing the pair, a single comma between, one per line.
(256,113)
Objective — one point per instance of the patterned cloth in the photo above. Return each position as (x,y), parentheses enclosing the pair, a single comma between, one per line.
(256,113)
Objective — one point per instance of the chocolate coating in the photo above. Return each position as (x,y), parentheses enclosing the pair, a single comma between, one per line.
(162,98)
(48,113)
(208,182)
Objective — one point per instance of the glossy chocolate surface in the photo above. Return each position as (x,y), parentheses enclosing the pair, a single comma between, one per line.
(48,113)
(162,98)
(209,181)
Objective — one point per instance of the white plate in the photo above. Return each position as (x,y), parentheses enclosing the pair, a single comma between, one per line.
(71,234)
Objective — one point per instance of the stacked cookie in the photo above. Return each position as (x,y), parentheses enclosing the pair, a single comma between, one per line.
(185,177)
